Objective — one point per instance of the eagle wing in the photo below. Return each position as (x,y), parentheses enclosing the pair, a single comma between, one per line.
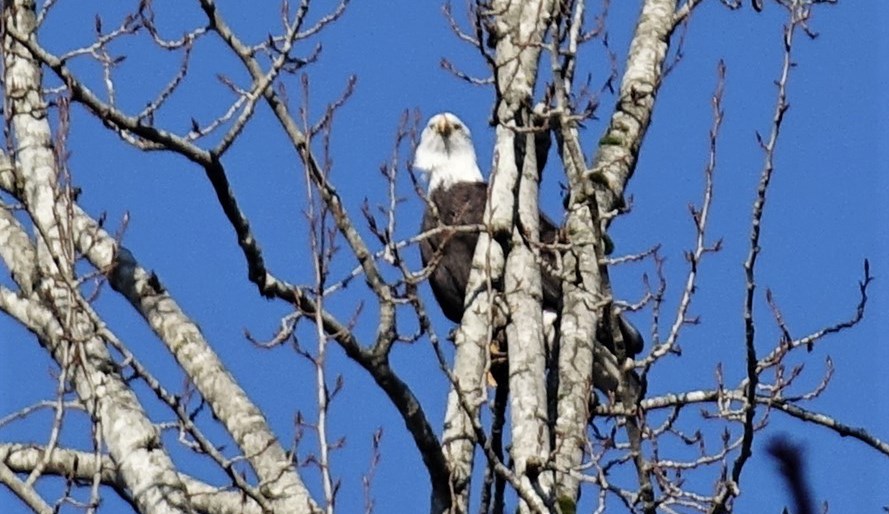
(451,251)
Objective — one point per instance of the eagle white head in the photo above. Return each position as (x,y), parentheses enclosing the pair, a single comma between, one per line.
(445,152)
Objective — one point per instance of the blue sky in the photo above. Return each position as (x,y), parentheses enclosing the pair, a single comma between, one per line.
(823,217)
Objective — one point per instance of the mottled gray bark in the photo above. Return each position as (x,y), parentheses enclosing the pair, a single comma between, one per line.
(577,336)
(471,360)
(248,427)
(55,312)
(614,162)
(525,334)
(520,27)
(64,322)
(618,149)
(83,466)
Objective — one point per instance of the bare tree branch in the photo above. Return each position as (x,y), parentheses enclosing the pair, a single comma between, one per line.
(80,466)
(731,488)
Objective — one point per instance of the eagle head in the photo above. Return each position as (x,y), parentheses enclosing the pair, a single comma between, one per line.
(446,153)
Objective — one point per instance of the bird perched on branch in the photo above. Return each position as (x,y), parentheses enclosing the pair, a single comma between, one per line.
(456,196)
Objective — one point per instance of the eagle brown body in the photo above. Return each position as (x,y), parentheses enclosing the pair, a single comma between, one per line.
(463,203)
(456,197)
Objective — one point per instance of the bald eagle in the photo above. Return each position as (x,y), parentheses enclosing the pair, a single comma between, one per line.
(456,196)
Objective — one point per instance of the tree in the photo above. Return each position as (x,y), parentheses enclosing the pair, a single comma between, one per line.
(215,430)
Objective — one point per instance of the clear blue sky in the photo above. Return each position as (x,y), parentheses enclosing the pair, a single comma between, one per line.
(823,217)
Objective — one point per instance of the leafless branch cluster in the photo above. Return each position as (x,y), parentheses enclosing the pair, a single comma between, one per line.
(545,432)
(638,436)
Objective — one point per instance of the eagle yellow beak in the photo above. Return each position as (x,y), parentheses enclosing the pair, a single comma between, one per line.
(443,126)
